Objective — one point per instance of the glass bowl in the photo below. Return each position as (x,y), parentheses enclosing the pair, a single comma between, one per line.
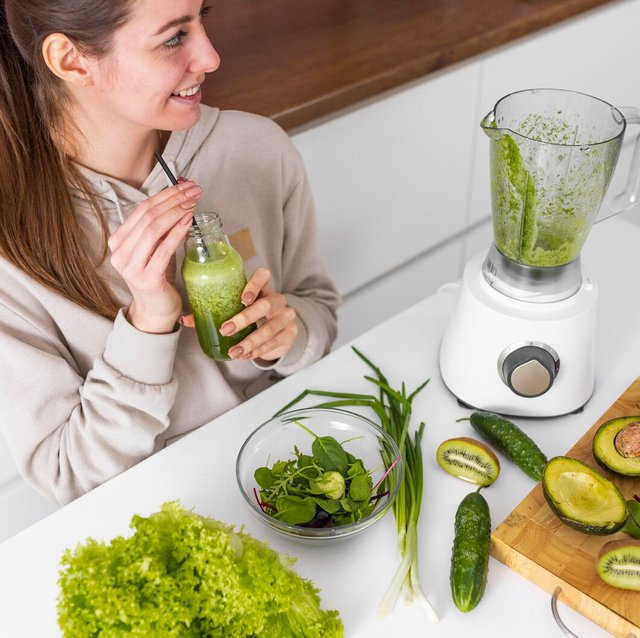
(276,439)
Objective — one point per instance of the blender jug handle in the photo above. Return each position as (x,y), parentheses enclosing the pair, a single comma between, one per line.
(630,196)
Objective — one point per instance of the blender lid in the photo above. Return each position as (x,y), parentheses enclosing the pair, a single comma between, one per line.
(531,283)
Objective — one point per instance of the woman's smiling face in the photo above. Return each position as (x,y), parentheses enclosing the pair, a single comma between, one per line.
(151,77)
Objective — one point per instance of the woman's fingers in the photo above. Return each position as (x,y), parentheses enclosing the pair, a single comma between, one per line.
(176,200)
(143,253)
(164,251)
(256,284)
(277,347)
(154,201)
(187,320)
(262,308)
(279,331)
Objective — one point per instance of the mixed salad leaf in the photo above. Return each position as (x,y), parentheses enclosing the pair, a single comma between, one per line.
(181,574)
(328,488)
(632,525)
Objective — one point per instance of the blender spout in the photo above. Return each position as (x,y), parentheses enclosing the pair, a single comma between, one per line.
(488,124)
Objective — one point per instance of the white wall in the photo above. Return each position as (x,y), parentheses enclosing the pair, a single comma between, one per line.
(401,182)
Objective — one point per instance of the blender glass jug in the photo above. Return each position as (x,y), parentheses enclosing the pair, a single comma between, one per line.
(553,153)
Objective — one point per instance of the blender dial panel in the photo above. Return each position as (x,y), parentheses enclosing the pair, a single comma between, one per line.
(529,368)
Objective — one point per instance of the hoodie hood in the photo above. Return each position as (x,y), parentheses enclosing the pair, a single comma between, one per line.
(117,199)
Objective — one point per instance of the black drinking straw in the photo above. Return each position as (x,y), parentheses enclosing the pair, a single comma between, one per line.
(165,168)
(203,253)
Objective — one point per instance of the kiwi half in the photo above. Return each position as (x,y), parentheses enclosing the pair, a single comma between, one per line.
(469,460)
(619,564)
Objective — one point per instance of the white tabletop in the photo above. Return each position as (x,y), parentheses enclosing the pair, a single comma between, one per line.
(353,575)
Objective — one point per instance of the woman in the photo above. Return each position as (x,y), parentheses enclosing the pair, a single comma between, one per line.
(96,372)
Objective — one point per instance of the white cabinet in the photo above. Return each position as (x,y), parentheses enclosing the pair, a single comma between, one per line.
(390,178)
(397,290)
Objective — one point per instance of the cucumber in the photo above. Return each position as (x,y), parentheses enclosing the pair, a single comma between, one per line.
(470,554)
(509,439)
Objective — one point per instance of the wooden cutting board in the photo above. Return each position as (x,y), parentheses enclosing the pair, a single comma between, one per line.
(533,542)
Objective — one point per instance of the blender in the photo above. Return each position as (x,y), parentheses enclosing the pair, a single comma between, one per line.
(521,340)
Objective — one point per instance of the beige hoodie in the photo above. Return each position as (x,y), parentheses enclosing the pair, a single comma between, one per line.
(83,398)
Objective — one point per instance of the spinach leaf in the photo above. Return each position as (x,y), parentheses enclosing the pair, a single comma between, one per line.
(363,509)
(356,468)
(347,504)
(632,526)
(329,505)
(360,488)
(264,477)
(295,510)
(329,455)
(279,467)
(305,460)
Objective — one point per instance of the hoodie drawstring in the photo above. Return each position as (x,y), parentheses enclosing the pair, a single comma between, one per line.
(111,195)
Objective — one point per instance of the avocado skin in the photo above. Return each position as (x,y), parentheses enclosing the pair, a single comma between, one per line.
(592,530)
(586,528)
(605,453)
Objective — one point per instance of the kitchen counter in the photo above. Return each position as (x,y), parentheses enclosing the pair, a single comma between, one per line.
(353,575)
(298,61)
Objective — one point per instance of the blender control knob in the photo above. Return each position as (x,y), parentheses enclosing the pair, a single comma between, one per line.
(529,369)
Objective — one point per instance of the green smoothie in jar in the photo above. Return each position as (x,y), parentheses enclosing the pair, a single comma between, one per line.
(214,283)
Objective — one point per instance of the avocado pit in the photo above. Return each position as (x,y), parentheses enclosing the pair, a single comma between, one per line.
(627,441)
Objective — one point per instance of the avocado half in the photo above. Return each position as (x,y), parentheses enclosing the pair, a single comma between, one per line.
(582,498)
(615,435)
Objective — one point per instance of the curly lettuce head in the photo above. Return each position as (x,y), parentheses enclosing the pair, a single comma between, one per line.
(181,574)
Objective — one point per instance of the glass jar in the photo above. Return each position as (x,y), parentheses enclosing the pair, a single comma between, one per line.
(214,280)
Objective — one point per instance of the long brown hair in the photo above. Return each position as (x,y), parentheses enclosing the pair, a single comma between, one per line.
(39,231)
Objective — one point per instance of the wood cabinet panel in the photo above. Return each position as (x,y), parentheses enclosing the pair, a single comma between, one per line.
(296,61)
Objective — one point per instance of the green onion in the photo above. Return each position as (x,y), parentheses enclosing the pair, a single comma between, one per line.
(393,408)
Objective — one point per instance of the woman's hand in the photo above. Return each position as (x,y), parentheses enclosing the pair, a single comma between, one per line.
(143,252)
(277,329)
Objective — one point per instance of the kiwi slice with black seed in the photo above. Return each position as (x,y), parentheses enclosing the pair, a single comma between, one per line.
(619,564)
(469,460)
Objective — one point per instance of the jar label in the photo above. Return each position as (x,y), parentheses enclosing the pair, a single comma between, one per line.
(242,241)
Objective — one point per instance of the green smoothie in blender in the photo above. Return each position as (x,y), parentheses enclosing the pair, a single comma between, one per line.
(537,224)
(214,284)
(549,173)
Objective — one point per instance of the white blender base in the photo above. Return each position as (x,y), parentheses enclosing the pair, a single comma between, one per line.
(485,322)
